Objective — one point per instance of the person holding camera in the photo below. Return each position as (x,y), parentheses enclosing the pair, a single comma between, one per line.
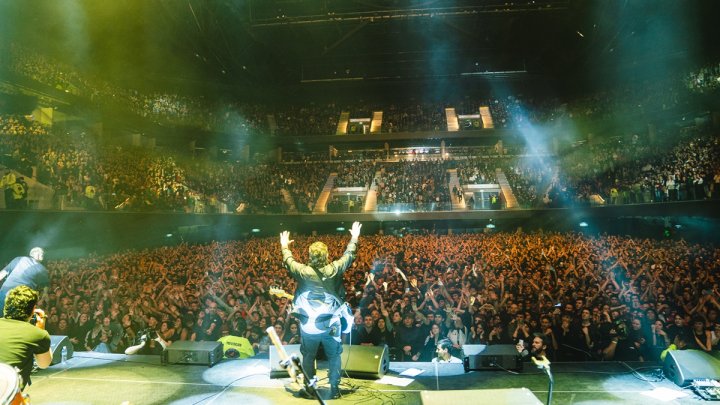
(149,343)
(20,341)
(431,342)
(539,348)
(518,328)
(619,343)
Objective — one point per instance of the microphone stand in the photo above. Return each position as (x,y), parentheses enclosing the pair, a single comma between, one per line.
(293,366)
(544,364)
(310,385)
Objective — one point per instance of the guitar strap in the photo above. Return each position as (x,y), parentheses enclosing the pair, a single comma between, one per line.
(325,285)
(343,311)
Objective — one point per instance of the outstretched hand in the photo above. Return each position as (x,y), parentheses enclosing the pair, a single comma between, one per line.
(355,230)
(285,239)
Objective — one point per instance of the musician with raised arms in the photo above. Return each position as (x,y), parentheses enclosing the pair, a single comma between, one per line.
(319,303)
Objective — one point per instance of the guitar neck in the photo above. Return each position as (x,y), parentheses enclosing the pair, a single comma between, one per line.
(276,341)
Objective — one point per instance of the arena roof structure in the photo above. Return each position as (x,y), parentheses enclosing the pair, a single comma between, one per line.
(265,43)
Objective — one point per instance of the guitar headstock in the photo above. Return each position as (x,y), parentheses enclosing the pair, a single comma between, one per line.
(279,292)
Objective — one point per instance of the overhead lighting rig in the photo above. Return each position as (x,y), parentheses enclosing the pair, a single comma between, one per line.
(412,13)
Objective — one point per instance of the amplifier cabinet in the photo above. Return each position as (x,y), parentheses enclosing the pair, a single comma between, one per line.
(494,357)
(187,352)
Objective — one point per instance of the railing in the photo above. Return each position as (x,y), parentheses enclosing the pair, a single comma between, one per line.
(414,207)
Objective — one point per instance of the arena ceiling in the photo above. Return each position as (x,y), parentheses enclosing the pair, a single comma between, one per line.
(265,43)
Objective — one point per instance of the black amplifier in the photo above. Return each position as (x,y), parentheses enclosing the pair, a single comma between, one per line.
(493,357)
(187,352)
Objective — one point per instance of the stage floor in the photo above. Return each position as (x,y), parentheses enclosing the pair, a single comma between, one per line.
(95,378)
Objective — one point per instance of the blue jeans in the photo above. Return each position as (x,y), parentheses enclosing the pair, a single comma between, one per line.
(102,348)
(309,347)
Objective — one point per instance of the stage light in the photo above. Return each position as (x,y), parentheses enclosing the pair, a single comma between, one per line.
(168,235)
(340,228)
(583,224)
(255,230)
(490,226)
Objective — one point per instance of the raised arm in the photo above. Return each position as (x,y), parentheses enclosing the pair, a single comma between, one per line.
(355,231)
(285,240)
(43,359)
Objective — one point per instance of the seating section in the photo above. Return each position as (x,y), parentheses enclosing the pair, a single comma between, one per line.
(87,175)
(322,117)
(672,165)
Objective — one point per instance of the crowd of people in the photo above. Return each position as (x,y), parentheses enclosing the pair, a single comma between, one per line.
(632,170)
(413,185)
(424,295)
(525,178)
(346,203)
(321,118)
(83,173)
(14,125)
(705,79)
(592,297)
(621,170)
(414,117)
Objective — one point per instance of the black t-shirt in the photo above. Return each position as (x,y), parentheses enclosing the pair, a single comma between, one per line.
(207,322)
(365,336)
(19,341)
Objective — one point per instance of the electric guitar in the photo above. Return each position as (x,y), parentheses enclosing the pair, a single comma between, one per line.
(310,314)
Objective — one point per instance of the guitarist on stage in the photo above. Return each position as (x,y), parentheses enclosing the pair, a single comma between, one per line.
(319,302)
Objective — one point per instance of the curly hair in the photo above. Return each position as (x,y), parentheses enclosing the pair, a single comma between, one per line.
(318,255)
(20,302)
